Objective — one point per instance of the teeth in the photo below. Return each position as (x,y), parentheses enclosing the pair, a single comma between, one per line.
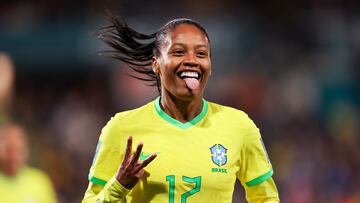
(189,74)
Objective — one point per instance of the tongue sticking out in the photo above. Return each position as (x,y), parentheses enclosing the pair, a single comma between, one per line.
(192,83)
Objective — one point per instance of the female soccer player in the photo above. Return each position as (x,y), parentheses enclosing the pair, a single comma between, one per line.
(200,147)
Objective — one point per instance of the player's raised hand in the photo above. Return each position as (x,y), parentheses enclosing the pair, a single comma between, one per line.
(131,170)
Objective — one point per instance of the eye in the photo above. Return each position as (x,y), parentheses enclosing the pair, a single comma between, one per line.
(201,54)
(178,52)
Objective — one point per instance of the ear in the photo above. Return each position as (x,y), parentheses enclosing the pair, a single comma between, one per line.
(155,65)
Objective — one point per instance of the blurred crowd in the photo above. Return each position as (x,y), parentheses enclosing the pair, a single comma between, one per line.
(293,67)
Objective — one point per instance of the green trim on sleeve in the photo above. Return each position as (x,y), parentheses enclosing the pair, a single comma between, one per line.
(97,181)
(177,123)
(260,179)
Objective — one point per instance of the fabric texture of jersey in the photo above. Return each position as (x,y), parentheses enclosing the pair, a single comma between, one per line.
(29,185)
(198,161)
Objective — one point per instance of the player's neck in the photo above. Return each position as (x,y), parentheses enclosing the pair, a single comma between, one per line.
(183,111)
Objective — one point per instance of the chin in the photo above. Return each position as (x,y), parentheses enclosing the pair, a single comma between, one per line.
(189,95)
(183,93)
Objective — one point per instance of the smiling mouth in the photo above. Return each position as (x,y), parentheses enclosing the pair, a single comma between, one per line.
(189,74)
(191,79)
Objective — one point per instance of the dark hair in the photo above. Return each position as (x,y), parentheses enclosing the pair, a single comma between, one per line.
(137,49)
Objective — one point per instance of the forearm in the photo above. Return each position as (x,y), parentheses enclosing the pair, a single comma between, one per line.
(265,192)
(113,191)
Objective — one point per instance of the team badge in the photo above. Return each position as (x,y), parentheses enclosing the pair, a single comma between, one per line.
(218,154)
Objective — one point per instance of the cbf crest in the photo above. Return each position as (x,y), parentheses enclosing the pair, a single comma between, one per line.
(218,154)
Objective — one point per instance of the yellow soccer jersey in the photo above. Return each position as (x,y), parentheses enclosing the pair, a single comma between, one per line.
(29,185)
(198,161)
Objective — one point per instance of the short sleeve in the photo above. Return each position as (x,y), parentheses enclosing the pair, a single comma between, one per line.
(108,155)
(255,166)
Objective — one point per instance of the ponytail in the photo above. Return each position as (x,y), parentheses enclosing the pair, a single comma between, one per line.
(137,49)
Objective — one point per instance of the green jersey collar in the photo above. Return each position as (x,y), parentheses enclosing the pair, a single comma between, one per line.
(177,123)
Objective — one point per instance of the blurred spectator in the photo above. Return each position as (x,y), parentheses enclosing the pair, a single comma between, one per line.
(6,85)
(19,182)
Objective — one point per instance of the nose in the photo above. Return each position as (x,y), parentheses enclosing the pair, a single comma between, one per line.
(190,60)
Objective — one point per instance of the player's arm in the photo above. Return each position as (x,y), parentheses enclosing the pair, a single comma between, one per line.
(255,168)
(257,172)
(256,175)
(264,192)
(129,173)
(113,191)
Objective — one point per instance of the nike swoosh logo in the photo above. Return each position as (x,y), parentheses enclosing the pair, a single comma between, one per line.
(144,156)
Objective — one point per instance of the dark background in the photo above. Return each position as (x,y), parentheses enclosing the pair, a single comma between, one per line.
(293,66)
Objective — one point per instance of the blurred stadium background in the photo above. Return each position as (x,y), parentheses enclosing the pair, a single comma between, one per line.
(293,66)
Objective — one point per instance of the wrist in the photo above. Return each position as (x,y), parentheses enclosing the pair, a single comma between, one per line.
(116,188)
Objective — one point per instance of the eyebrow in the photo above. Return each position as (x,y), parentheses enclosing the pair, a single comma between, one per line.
(197,46)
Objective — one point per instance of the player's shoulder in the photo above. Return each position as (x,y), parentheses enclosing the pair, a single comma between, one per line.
(134,113)
(122,121)
(234,119)
(130,116)
(30,172)
(227,112)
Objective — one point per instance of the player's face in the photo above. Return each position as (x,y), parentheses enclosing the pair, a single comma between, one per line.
(184,64)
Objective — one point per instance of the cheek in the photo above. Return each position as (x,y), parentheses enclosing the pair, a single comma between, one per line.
(165,75)
(207,66)
(168,68)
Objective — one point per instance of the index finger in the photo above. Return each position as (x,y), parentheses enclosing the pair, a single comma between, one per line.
(128,148)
